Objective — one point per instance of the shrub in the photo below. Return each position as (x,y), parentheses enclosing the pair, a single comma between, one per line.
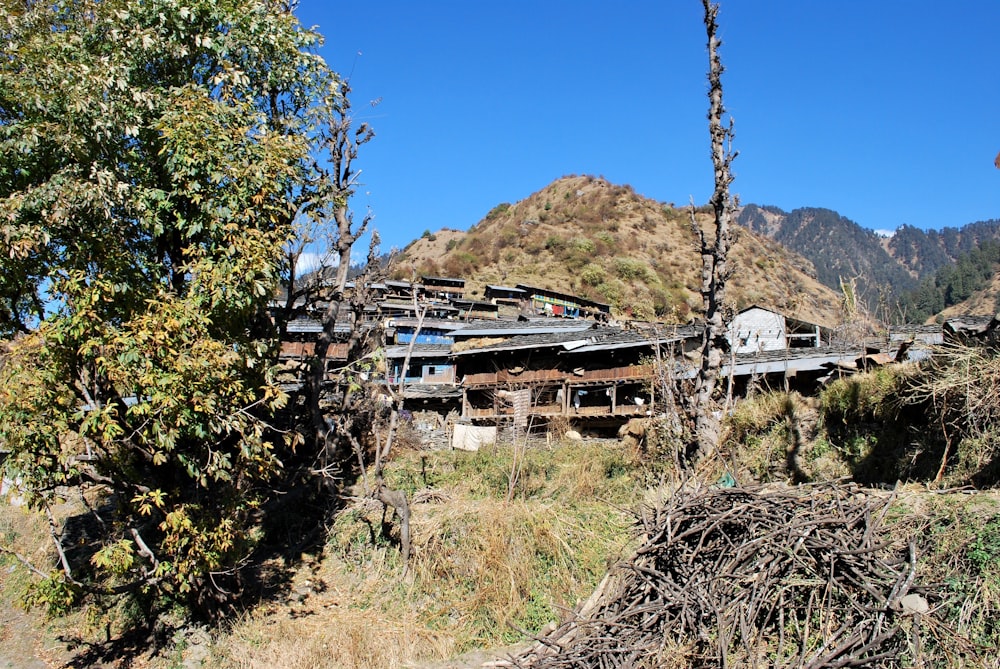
(628,269)
(555,243)
(462,263)
(613,292)
(862,397)
(497,210)
(593,275)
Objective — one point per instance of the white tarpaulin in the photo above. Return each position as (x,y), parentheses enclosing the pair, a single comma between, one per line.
(471,437)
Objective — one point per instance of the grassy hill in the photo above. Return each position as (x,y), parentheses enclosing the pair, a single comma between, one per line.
(584,235)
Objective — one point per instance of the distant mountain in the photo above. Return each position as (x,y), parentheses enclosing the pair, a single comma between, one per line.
(924,252)
(967,286)
(884,269)
(838,247)
(586,236)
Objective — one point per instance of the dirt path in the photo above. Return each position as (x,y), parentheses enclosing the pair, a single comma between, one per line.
(473,659)
(21,642)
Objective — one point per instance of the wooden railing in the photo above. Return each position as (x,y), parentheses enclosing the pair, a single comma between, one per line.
(556,410)
(610,375)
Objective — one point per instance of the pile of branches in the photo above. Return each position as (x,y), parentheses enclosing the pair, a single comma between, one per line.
(762,576)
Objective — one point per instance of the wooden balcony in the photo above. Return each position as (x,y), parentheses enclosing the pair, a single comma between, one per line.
(557,376)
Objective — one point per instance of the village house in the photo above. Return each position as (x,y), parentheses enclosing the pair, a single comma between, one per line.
(476,309)
(554,362)
(589,373)
(545,302)
(757,329)
(441,288)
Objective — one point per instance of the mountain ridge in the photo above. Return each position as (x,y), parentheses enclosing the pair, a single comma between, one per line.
(586,236)
(884,268)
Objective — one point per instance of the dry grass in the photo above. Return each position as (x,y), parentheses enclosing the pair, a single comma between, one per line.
(962,390)
(483,572)
(336,637)
(548,239)
(774,437)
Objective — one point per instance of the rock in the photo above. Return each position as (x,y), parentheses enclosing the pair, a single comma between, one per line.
(913,604)
(573,435)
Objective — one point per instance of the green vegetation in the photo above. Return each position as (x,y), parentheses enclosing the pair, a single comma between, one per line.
(153,156)
(593,275)
(934,423)
(498,210)
(952,283)
(628,269)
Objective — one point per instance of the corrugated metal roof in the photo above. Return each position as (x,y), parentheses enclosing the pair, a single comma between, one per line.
(429,323)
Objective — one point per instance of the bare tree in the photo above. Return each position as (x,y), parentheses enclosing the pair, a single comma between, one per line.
(348,429)
(343,148)
(714,268)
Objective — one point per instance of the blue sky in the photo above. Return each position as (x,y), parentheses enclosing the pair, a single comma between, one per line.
(886,111)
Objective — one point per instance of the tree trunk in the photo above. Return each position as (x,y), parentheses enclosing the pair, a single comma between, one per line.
(714,253)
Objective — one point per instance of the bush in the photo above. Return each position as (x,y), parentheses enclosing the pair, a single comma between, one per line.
(498,210)
(613,292)
(555,243)
(863,397)
(593,275)
(628,269)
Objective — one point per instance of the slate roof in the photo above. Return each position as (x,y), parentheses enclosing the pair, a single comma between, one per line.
(788,359)
(431,391)
(419,351)
(607,339)
(501,328)
(313,326)
(537,340)
(507,289)
(969,324)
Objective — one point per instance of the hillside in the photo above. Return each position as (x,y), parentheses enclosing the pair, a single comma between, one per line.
(885,268)
(924,252)
(838,247)
(604,242)
(982,302)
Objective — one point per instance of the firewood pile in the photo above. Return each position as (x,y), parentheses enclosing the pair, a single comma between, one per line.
(762,576)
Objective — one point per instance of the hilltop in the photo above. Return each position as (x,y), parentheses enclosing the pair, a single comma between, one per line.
(605,242)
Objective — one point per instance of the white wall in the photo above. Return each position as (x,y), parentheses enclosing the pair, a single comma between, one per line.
(756,330)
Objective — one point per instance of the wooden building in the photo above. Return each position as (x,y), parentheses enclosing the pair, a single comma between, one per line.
(428,363)
(543,301)
(442,287)
(476,309)
(598,374)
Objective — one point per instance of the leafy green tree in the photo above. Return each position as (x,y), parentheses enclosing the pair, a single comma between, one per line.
(153,157)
